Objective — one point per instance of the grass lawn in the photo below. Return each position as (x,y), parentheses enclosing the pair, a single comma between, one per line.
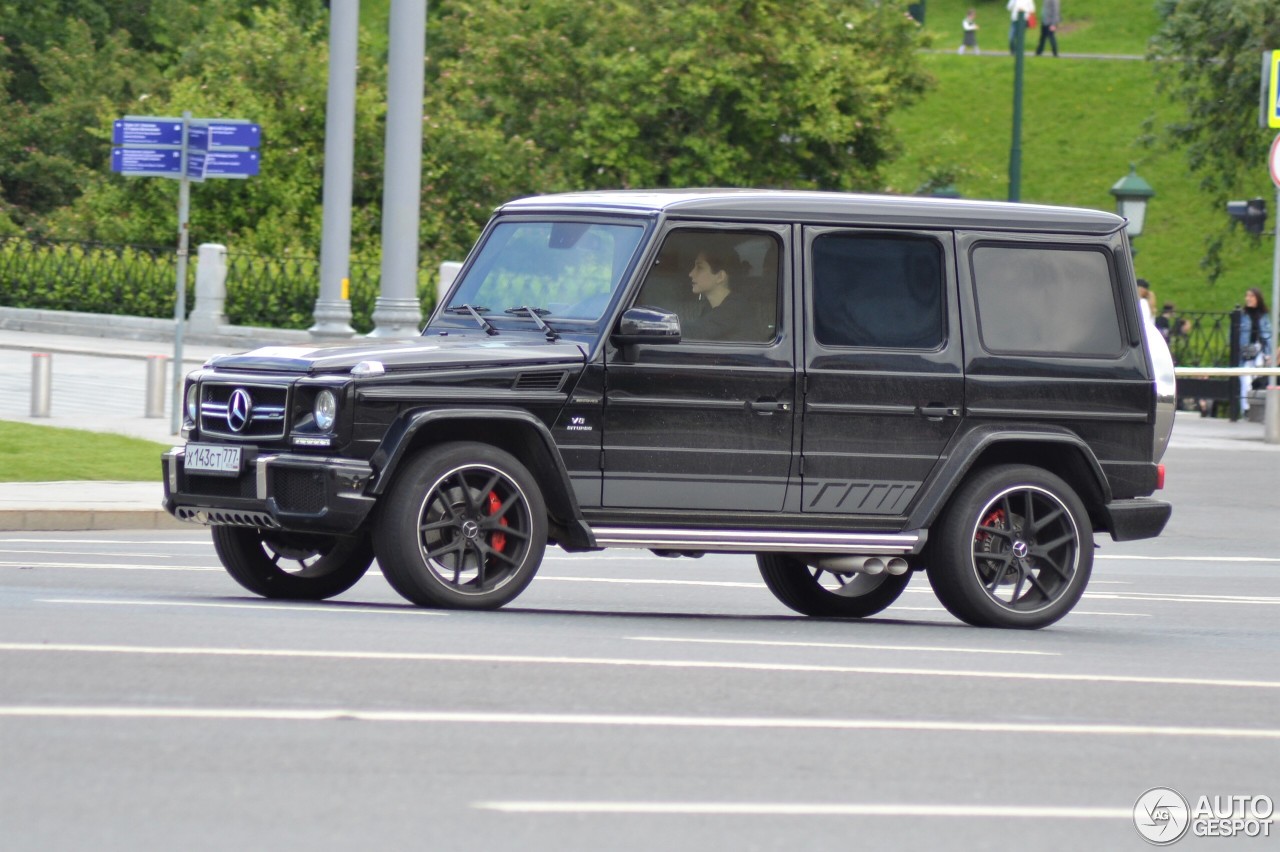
(48,454)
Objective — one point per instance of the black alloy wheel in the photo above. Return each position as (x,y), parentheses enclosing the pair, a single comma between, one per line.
(463,527)
(1015,549)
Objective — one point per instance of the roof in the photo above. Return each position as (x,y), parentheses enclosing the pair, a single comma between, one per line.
(827,207)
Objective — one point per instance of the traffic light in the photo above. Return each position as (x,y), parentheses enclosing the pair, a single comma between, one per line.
(1252,214)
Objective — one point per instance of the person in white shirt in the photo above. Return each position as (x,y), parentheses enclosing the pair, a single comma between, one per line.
(1027,8)
(970,26)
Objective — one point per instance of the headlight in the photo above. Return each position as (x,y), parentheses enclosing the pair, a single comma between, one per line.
(325,410)
(193,402)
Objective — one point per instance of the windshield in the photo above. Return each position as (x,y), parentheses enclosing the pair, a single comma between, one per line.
(563,270)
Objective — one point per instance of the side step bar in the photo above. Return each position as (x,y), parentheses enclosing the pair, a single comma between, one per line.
(753,541)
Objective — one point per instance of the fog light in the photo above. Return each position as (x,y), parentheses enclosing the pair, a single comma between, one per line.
(325,410)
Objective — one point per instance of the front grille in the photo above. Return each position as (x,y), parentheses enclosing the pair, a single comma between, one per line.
(298,490)
(243,411)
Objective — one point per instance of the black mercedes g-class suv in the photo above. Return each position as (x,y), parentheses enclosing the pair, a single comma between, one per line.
(850,387)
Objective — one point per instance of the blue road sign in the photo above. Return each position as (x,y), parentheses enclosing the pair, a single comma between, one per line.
(225,134)
(231,164)
(196,161)
(147,162)
(197,137)
(147,131)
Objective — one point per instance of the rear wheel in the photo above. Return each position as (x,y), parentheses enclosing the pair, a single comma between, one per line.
(464,527)
(1015,549)
(292,566)
(814,591)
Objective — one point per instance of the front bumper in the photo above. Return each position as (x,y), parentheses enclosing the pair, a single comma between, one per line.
(273,491)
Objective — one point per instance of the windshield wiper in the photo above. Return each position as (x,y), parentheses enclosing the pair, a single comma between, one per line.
(475,312)
(536,313)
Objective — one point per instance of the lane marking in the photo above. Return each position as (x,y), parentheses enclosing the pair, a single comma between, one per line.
(841,645)
(97,566)
(1215,558)
(620,720)
(404,609)
(797,809)
(1182,598)
(623,662)
(203,542)
(10,552)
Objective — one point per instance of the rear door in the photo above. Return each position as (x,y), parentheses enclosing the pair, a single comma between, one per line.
(883,378)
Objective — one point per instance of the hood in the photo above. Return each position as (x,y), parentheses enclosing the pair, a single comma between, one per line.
(415,353)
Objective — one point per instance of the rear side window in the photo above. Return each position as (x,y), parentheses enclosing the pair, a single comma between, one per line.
(1034,299)
(878,291)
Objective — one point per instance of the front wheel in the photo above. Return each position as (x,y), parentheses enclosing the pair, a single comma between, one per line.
(292,566)
(463,527)
(814,591)
(1014,549)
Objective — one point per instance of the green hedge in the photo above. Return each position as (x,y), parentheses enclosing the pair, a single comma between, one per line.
(273,292)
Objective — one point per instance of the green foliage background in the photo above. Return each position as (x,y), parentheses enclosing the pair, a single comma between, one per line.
(557,94)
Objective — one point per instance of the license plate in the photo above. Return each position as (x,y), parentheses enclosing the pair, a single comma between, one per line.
(211,458)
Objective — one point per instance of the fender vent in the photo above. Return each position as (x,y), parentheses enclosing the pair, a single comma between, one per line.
(539,381)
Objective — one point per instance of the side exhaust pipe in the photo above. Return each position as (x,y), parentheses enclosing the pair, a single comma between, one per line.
(872,565)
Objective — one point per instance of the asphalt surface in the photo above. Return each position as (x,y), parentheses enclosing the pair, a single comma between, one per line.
(630,702)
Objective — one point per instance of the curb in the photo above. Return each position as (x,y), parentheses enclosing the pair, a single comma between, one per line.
(71,520)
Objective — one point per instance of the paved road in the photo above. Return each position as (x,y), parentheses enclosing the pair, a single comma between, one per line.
(628,702)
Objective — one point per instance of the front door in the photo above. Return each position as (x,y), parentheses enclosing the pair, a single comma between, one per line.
(882,369)
(707,423)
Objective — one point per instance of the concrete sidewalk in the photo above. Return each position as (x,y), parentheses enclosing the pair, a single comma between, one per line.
(99,385)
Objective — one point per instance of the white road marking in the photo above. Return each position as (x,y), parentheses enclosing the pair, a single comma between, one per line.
(623,662)
(611,720)
(10,552)
(95,566)
(1119,557)
(318,607)
(63,540)
(799,809)
(1182,598)
(842,645)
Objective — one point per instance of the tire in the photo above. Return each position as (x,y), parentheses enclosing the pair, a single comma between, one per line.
(464,526)
(813,591)
(978,566)
(292,566)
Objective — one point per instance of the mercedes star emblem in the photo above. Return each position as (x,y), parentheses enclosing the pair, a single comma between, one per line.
(239,410)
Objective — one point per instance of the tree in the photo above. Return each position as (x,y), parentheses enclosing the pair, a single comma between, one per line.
(1214,49)
(637,93)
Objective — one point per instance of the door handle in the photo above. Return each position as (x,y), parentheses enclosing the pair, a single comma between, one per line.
(937,412)
(768,406)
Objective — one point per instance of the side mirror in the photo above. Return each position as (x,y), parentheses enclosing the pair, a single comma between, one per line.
(647,325)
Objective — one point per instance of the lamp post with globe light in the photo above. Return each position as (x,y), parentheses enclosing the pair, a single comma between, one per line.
(1132,194)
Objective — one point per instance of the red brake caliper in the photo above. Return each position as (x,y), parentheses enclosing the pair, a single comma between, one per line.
(498,541)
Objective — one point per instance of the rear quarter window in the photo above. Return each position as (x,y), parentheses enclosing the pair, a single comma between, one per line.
(1034,299)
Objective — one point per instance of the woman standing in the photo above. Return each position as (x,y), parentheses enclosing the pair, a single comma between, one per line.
(1255,340)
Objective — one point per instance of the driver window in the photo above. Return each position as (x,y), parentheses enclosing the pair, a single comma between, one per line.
(722,284)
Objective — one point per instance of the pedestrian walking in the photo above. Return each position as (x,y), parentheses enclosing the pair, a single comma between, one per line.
(1026,8)
(1050,17)
(970,27)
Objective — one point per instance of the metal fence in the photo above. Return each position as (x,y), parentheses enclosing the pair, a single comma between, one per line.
(134,280)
